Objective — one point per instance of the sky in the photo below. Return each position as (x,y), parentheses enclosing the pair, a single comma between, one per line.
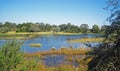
(57,12)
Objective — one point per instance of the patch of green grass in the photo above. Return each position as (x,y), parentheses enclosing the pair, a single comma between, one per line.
(35,45)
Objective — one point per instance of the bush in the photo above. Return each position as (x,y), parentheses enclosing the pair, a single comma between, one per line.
(12,59)
(107,55)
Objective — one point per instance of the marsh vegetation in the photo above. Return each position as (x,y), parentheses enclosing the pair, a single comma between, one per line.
(65,47)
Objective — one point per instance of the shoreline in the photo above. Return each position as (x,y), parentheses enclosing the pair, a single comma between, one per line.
(29,35)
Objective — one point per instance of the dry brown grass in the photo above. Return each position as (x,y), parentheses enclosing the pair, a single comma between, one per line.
(86,40)
(66,51)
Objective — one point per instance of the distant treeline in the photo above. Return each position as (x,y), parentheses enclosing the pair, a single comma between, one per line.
(42,27)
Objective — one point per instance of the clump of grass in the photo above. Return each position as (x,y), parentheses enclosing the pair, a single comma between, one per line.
(69,58)
(62,48)
(35,45)
(83,40)
(53,48)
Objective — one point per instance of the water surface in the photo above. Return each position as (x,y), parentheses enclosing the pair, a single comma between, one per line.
(56,41)
(50,41)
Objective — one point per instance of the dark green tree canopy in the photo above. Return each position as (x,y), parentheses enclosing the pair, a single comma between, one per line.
(95,29)
(84,28)
(46,27)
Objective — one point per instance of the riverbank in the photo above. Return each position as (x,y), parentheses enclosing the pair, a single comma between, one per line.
(28,35)
(41,33)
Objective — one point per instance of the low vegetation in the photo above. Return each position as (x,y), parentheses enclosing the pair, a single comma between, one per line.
(35,45)
(69,51)
(105,57)
(29,35)
(12,59)
(83,40)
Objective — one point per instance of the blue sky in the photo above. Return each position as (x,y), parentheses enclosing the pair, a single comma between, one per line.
(54,11)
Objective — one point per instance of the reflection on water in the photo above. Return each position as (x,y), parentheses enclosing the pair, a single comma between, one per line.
(58,60)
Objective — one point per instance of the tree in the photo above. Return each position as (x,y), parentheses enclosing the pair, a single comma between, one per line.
(10,25)
(48,27)
(33,29)
(27,25)
(14,26)
(95,29)
(55,29)
(104,28)
(75,29)
(4,29)
(63,27)
(1,25)
(54,25)
(41,27)
(107,55)
(84,28)
(21,29)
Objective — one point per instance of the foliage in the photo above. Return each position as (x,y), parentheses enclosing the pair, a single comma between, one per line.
(42,27)
(4,29)
(10,56)
(55,29)
(11,26)
(22,29)
(11,59)
(104,28)
(107,55)
(95,29)
(84,28)
(33,29)
(69,28)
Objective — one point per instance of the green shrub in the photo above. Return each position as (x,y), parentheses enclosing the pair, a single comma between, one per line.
(10,56)
(12,59)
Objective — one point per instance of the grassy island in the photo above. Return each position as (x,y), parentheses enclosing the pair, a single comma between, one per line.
(35,45)
(83,40)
